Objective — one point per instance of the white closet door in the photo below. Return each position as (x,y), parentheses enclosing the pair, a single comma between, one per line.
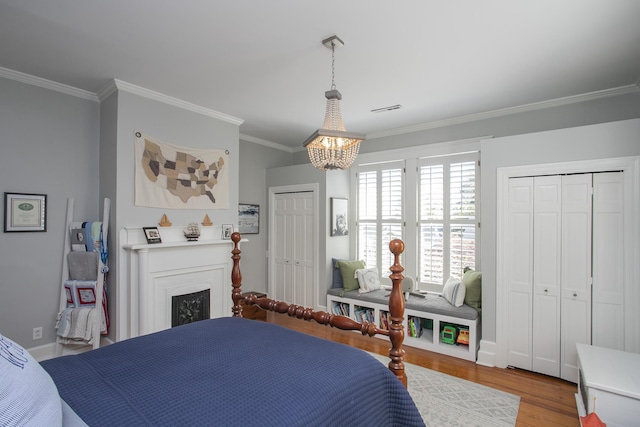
(546,274)
(520,272)
(608,267)
(576,270)
(293,244)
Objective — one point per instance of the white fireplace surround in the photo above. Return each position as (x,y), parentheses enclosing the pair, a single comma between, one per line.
(151,274)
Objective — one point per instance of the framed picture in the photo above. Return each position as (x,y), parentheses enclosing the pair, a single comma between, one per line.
(25,212)
(227,229)
(248,218)
(152,234)
(339,218)
(86,295)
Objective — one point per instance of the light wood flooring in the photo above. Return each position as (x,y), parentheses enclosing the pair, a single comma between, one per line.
(544,401)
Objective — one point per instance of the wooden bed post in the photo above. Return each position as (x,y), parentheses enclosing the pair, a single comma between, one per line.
(396,313)
(236,276)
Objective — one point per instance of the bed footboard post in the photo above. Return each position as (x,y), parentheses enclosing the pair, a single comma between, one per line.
(396,313)
(236,276)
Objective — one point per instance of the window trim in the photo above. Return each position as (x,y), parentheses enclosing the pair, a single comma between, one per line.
(411,157)
(447,161)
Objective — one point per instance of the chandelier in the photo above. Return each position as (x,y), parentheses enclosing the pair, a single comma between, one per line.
(332,147)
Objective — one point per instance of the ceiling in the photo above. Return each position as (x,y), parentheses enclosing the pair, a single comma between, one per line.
(263,61)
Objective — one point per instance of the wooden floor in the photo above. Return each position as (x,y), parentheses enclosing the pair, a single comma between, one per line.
(544,401)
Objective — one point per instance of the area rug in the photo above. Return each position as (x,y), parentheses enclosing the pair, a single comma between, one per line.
(444,400)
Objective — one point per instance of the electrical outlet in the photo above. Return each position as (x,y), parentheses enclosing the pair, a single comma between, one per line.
(37,333)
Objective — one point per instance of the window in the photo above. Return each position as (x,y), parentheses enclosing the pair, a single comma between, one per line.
(379,216)
(439,224)
(447,218)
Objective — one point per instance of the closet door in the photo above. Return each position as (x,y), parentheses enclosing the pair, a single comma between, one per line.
(520,272)
(546,274)
(294,246)
(576,270)
(608,267)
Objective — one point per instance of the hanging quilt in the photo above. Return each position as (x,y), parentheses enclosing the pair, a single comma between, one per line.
(170,176)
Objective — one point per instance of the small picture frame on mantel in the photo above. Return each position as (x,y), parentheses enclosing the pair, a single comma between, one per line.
(152,235)
(227,230)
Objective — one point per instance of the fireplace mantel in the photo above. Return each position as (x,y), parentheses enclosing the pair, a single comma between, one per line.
(151,274)
(154,246)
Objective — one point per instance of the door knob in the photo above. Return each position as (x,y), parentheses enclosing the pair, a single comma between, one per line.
(575,294)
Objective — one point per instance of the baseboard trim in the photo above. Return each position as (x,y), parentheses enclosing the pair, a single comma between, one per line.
(48,351)
(487,354)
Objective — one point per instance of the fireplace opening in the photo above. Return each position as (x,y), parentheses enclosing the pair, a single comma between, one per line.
(189,308)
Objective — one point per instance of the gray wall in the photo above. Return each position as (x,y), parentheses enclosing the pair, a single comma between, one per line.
(59,133)
(602,141)
(177,126)
(170,124)
(255,160)
(48,145)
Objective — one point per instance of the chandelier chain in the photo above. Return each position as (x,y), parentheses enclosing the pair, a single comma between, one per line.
(333,65)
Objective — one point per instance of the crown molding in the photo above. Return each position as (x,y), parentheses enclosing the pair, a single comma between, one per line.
(266,143)
(590,96)
(157,96)
(47,84)
(115,85)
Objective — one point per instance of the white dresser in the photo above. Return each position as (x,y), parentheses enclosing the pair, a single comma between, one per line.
(609,385)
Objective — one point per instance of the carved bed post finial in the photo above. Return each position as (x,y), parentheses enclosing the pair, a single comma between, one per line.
(396,313)
(236,276)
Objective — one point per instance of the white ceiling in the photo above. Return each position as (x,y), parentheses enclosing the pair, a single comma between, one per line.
(263,61)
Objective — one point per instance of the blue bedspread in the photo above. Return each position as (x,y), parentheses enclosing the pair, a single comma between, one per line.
(231,371)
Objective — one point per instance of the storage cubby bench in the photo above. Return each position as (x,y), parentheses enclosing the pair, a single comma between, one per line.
(426,317)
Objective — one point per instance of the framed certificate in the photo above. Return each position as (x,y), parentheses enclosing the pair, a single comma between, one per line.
(25,212)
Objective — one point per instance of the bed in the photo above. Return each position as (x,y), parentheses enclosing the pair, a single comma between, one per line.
(234,371)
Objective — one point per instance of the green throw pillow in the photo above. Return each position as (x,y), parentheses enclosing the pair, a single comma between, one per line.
(473,282)
(348,272)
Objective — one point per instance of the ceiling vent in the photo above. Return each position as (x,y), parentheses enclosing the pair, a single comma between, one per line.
(389,108)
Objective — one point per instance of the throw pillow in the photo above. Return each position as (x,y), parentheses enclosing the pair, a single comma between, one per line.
(337,277)
(473,283)
(368,279)
(348,273)
(454,291)
(28,395)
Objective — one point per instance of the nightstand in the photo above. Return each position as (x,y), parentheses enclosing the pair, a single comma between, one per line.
(252,311)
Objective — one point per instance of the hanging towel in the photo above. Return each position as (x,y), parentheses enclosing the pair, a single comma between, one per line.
(83,265)
(96,235)
(74,325)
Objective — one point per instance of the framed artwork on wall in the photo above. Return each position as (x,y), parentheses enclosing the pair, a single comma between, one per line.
(248,218)
(339,217)
(25,212)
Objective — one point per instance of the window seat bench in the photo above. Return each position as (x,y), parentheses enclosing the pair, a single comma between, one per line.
(431,322)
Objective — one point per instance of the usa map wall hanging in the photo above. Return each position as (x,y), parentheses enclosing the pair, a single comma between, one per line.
(175,177)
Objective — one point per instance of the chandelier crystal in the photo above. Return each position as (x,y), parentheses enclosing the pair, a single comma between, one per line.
(332,147)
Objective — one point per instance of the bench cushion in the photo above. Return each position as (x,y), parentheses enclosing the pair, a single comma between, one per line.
(428,303)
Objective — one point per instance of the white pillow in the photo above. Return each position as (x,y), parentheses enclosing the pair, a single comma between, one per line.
(454,292)
(28,395)
(368,279)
